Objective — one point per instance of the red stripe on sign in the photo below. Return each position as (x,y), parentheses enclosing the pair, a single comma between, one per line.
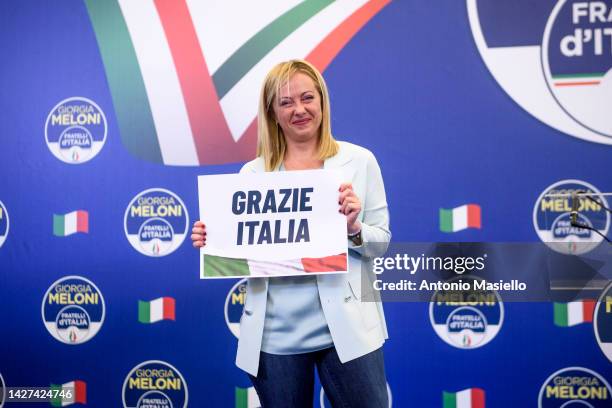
(82,221)
(473,216)
(588,309)
(213,140)
(577,83)
(80,392)
(478,398)
(331,45)
(169,308)
(334,263)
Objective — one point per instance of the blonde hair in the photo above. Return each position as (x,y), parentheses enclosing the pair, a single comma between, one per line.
(271,144)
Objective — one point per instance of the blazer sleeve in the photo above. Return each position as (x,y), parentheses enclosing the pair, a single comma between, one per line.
(248,167)
(375,233)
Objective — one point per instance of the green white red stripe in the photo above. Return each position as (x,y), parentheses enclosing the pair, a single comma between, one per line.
(580,79)
(468,398)
(77,390)
(218,266)
(460,218)
(163,308)
(71,223)
(194,68)
(163,89)
(247,398)
(573,313)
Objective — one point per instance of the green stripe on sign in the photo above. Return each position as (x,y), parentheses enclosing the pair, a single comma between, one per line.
(449,399)
(124,80)
(222,266)
(144,312)
(58,225)
(446,220)
(561,314)
(258,46)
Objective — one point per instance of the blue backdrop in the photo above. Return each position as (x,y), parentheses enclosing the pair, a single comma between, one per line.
(411,86)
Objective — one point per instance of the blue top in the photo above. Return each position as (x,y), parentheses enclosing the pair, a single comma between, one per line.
(294,318)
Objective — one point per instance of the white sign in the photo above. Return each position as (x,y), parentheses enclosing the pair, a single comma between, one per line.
(272,224)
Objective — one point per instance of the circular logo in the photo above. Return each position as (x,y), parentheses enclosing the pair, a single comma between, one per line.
(156,222)
(574,387)
(576,59)
(73,309)
(4,223)
(75,130)
(466,319)
(603,321)
(564,77)
(324,402)
(156,384)
(552,217)
(234,305)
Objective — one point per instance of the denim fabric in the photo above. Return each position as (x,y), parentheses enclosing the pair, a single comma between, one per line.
(288,380)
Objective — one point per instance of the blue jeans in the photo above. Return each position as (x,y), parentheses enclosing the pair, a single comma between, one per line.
(288,380)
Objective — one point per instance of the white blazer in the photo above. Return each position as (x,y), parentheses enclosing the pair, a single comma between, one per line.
(356,327)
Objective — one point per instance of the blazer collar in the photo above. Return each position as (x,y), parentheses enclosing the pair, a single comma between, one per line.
(340,159)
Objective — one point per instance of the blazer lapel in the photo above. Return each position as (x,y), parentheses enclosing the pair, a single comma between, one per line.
(339,160)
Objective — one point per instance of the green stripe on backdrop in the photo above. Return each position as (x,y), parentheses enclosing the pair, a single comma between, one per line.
(125,80)
(144,312)
(561,314)
(221,266)
(251,52)
(582,75)
(446,220)
(449,400)
(56,402)
(242,398)
(58,225)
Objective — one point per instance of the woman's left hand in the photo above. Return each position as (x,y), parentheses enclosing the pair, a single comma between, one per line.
(350,205)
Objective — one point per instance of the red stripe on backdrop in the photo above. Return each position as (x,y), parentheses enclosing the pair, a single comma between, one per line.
(588,309)
(478,398)
(80,392)
(213,140)
(169,308)
(577,83)
(247,144)
(473,216)
(82,221)
(334,263)
(321,56)
(331,45)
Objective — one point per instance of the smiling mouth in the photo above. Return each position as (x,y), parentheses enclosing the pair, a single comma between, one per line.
(301,122)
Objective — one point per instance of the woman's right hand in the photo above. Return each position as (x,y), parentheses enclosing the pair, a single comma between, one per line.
(198,236)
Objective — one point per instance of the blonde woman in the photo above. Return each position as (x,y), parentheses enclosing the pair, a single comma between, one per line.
(291,325)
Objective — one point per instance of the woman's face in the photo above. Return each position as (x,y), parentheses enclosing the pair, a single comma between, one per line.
(298,109)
